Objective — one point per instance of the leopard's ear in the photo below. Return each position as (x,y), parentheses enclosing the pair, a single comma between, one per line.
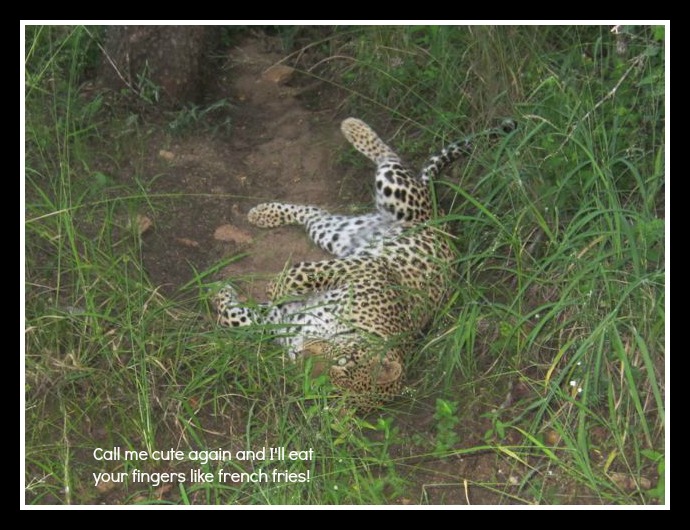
(388,372)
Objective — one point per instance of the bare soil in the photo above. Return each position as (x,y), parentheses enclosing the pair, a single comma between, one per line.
(277,150)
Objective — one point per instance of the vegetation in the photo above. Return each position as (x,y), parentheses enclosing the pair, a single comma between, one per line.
(547,364)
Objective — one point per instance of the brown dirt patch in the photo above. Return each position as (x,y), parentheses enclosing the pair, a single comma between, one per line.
(277,150)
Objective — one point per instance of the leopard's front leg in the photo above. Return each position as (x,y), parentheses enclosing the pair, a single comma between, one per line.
(340,235)
(230,311)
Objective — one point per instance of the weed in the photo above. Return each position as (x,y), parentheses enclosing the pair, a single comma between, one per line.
(446,417)
(214,116)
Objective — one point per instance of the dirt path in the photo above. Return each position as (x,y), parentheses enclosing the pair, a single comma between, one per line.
(276,150)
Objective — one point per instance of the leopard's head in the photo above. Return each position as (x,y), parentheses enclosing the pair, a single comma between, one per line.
(366,373)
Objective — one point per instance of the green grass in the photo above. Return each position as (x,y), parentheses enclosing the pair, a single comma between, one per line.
(559,303)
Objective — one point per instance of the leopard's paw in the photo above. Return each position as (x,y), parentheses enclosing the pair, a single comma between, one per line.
(269,215)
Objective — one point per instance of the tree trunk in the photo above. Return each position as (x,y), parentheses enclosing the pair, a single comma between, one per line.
(166,64)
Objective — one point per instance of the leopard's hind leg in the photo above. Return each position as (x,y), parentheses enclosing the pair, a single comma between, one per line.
(400,195)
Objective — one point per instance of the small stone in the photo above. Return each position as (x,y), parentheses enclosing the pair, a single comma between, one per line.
(232,233)
(187,242)
(551,437)
(628,483)
(143,223)
(278,74)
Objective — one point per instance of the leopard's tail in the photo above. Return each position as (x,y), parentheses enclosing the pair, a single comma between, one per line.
(449,154)
(437,163)
(366,141)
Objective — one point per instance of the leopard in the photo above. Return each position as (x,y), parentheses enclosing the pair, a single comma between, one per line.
(360,312)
